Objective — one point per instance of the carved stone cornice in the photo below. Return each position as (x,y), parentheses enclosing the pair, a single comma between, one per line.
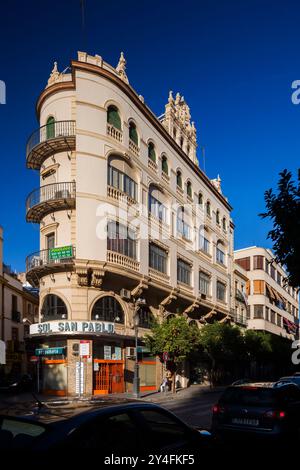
(167,300)
(82,277)
(138,290)
(191,308)
(97,277)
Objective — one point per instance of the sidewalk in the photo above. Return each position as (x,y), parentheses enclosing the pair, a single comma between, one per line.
(153,397)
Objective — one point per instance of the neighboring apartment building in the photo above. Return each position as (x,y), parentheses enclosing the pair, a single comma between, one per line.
(273,306)
(240,304)
(130,228)
(19,308)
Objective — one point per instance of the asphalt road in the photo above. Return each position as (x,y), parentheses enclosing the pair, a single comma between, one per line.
(194,405)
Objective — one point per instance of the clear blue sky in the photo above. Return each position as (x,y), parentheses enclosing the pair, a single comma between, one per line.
(234,62)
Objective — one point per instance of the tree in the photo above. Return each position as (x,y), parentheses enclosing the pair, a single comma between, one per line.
(223,345)
(283,209)
(176,337)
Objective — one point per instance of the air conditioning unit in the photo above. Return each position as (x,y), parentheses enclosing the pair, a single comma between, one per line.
(125,294)
(130,352)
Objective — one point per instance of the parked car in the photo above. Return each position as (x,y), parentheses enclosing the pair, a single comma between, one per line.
(16,385)
(295,379)
(260,410)
(110,427)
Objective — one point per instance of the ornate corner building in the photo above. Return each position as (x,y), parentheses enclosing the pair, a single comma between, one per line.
(129,226)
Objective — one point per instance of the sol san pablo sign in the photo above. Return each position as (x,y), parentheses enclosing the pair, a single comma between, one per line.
(71,327)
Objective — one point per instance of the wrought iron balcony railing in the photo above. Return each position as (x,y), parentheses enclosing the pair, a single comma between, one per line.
(57,136)
(50,198)
(44,262)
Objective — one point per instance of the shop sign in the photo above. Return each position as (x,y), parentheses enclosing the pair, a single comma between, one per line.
(84,348)
(49,351)
(71,327)
(107,352)
(61,252)
(118,354)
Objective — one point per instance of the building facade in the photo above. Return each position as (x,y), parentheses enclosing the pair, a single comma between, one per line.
(240,304)
(131,229)
(273,305)
(19,309)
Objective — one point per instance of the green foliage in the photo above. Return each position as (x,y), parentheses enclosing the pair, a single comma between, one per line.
(283,209)
(222,342)
(174,336)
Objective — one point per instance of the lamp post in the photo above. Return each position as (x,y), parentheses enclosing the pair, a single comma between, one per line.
(136,376)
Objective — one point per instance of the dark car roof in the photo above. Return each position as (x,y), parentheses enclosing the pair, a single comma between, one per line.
(55,412)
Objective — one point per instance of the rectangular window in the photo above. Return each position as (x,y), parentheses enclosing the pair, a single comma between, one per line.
(204,283)
(267,314)
(259,311)
(220,256)
(183,228)
(183,272)
(121,239)
(258,262)
(221,291)
(14,303)
(272,272)
(279,278)
(158,258)
(157,209)
(279,320)
(50,240)
(258,287)
(15,334)
(273,316)
(204,244)
(244,263)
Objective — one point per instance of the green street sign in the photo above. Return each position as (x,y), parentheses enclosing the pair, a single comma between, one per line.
(50,351)
(61,252)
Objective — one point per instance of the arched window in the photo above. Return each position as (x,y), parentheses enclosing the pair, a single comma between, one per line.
(188,150)
(183,228)
(146,318)
(224,224)
(218,217)
(121,175)
(158,204)
(220,253)
(181,142)
(53,308)
(189,189)
(200,199)
(108,309)
(113,117)
(133,135)
(50,127)
(179,179)
(151,152)
(164,165)
(208,208)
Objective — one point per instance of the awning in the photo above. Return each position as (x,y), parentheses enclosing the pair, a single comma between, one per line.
(270,292)
(290,326)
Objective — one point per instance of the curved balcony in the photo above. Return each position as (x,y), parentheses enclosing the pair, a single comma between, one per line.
(48,261)
(52,138)
(50,198)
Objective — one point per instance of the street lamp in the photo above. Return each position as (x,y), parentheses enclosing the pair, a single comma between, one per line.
(136,376)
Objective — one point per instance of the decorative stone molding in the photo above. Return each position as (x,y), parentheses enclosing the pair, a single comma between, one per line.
(217,183)
(121,68)
(138,290)
(167,300)
(82,277)
(191,308)
(97,277)
(55,76)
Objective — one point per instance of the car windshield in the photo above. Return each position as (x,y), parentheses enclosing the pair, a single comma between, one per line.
(250,396)
(16,433)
